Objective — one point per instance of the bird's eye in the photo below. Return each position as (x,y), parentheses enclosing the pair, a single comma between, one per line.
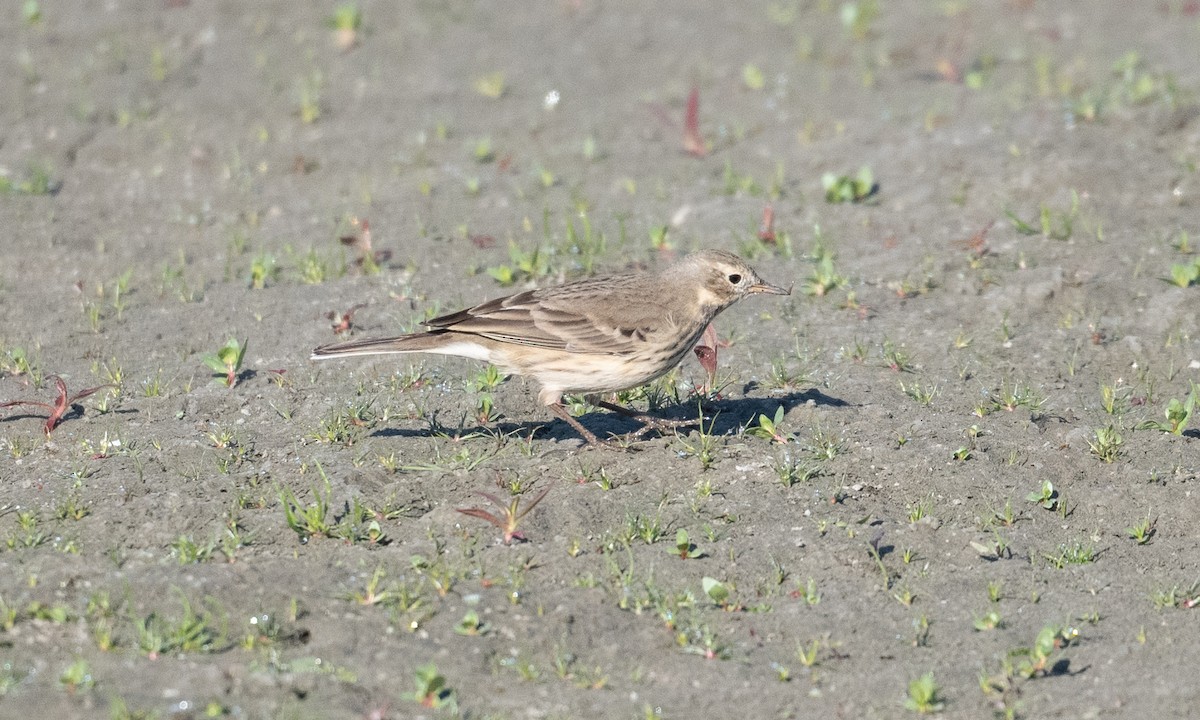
(735,279)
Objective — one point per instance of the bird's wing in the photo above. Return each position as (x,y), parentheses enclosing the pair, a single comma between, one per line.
(584,317)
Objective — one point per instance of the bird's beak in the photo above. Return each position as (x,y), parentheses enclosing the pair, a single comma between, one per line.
(769,289)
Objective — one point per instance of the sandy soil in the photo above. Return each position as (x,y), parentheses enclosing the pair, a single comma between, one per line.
(944,492)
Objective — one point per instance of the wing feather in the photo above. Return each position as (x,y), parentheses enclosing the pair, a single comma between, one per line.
(596,316)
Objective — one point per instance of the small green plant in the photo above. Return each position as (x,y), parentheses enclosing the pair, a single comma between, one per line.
(771,428)
(188,551)
(487,379)
(923,394)
(752,77)
(62,403)
(1046,496)
(808,655)
(37,182)
(1106,444)
(263,268)
(431,690)
(923,695)
(346,16)
(491,85)
(706,445)
(1075,553)
(190,632)
(1185,274)
(684,547)
(718,592)
(77,676)
(31,11)
(808,592)
(896,358)
(850,188)
(857,17)
(1040,659)
(988,621)
(471,624)
(790,470)
(226,362)
(1178,414)
(510,516)
(308,520)
(1142,532)
(524,265)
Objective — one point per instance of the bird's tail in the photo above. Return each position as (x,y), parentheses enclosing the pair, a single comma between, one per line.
(417,342)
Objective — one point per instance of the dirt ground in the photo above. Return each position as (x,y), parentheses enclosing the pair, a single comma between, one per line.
(971,502)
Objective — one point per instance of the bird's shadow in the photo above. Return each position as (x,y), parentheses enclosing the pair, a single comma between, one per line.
(723,416)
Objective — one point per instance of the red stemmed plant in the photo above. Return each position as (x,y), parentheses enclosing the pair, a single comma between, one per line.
(510,515)
(62,403)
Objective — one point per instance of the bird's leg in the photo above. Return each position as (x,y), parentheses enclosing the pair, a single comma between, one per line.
(590,437)
(649,421)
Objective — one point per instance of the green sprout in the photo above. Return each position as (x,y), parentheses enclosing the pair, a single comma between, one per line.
(226,363)
(850,189)
(1046,496)
(770,428)
(684,547)
(923,696)
(1178,413)
(431,690)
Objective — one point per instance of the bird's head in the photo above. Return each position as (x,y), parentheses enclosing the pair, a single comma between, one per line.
(725,278)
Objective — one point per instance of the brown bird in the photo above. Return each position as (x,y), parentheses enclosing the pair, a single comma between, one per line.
(592,336)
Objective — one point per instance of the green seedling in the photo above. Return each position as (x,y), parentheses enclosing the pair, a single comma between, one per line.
(62,403)
(1074,554)
(753,77)
(491,85)
(1178,414)
(846,188)
(923,695)
(1039,660)
(858,16)
(658,238)
(770,428)
(532,265)
(718,592)
(808,655)
(923,394)
(308,520)
(824,276)
(1142,532)
(77,676)
(37,182)
(263,268)
(31,11)
(895,358)
(471,624)
(488,379)
(345,17)
(807,592)
(684,547)
(1046,496)
(990,620)
(1185,274)
(1106,444)
(511,514)
(431,690)
(226,363)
